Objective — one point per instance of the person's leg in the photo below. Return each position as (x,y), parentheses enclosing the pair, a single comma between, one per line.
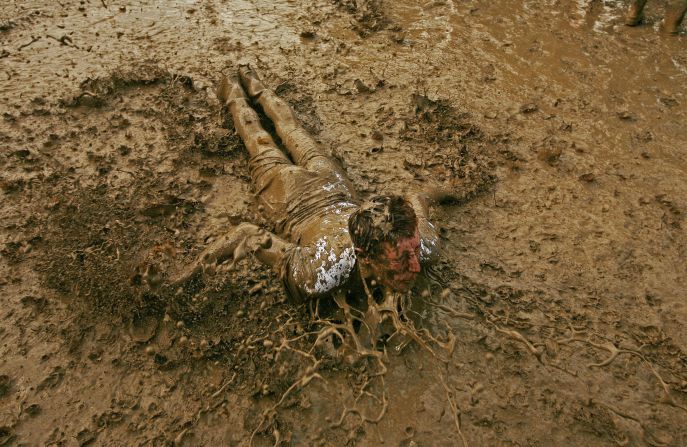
(273,176)
(634,14)
(674,15)
(270,167)
(300,144)
(247,122)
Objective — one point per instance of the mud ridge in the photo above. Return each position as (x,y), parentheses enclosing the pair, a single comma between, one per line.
(96,92)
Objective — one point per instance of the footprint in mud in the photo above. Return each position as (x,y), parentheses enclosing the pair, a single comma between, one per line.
(6,435)
(5,385)
(33,410)
(53,380)
(36,304)
(86,437)
(143,328)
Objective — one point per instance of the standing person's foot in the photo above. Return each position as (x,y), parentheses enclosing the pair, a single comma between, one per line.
(634,16)
(672,21)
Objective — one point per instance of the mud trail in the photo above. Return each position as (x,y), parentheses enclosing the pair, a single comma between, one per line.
(554,317)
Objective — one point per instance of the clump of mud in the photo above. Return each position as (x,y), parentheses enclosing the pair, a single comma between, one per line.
(457,149)
(368,15)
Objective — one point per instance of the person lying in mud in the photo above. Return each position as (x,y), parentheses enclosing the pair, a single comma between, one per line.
(328,239)
(675,13)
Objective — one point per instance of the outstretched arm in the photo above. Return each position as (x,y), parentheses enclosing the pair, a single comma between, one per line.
(232,247)
(437,194)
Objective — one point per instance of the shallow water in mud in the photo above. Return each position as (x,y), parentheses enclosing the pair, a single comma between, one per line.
(562,129)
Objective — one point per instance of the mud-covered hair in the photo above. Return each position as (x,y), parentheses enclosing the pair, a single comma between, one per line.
(382,218)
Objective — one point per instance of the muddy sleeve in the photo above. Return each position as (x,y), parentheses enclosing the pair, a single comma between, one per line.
(429,236)
(296,274)
(312,272)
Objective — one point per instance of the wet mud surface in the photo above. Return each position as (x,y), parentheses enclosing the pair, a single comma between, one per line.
(557,308)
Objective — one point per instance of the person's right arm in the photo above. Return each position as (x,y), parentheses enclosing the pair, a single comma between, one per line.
(230,248)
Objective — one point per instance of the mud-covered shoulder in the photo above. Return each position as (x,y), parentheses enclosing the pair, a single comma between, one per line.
(314,270)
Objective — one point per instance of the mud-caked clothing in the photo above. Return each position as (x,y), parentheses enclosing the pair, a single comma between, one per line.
(309,199)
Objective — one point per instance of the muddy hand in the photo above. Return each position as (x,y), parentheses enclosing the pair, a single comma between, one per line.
(249,244)
(239,243)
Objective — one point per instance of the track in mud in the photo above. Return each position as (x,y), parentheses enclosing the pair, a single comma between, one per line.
(565,249)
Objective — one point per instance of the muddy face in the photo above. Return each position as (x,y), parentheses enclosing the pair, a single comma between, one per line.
(398,265)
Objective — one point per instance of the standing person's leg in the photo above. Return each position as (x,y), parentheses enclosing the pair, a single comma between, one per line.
(674,15)
(300,144)
(634,14)
(269,166)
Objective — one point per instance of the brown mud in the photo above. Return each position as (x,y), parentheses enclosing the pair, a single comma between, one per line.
(561,130)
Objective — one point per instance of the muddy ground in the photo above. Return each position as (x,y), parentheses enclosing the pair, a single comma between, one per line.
(562,130)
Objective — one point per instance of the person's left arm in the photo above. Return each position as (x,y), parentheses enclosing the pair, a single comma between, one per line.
(429,236)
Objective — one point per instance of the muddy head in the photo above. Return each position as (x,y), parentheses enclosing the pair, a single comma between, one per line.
(386,237)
